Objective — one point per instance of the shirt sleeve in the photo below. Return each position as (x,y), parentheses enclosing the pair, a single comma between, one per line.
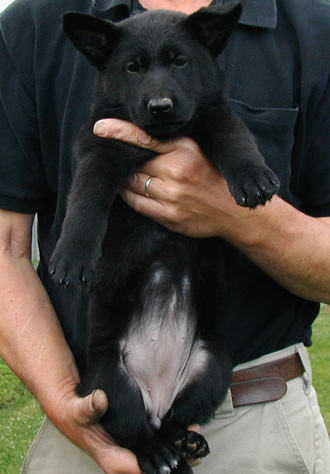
(315,175)
(311,160)
(23,185)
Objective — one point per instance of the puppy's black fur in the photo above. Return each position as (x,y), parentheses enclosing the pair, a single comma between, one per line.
(154,294)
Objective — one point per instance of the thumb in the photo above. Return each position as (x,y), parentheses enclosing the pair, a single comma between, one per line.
(130,133)
(90,409)
(195,428)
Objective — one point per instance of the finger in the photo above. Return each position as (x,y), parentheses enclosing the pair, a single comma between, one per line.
(98,403)
(143,204)
(130,133)
(118,460)
(195,428)
(145,185)
(90,408)
(183,161)
(137,183)
(196,462)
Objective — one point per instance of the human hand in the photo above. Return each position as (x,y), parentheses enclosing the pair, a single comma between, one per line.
(79,421)
(187,193)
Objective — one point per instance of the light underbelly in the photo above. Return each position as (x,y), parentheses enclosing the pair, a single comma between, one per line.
(160,351)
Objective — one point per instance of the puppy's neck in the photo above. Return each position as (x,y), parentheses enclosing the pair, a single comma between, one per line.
(185,6)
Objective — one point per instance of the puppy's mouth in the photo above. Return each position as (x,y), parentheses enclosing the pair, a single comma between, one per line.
(163,130)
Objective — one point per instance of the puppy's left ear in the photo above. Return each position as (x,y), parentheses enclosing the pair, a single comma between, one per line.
(93,37)
(213,25)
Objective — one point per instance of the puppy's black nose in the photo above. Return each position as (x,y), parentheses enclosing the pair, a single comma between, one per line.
(160,106)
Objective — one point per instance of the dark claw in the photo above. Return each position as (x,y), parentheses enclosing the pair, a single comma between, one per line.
(191,447)
(196,445)
(157,457)
(243,202)
(254,186)
(163,468)
(171,456)
(64,283)
(173,463)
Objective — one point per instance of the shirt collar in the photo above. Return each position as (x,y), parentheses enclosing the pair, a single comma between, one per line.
(258,13)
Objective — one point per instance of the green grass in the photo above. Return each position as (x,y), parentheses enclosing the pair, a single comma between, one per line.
(20,418)
(20,415)
(320,357)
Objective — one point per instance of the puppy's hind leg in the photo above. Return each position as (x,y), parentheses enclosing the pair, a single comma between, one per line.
(126,420)
(210,374)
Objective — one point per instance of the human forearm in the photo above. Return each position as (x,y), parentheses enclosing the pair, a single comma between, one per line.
(31,339)
(291,247)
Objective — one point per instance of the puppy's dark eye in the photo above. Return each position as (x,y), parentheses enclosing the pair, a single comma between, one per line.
(180,61)
(132,67)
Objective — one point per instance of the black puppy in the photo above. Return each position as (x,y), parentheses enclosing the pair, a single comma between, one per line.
(154,294)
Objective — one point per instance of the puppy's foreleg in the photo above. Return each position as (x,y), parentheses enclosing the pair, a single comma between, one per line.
(236,154)
(94,187)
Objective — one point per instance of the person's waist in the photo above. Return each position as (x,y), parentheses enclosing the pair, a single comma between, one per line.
(265,381)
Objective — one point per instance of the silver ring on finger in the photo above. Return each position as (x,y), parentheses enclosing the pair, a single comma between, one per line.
(147,186)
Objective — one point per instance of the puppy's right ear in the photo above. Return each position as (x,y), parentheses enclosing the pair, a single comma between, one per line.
(93,37)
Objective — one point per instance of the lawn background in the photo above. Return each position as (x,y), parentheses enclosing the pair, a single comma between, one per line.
(20,415)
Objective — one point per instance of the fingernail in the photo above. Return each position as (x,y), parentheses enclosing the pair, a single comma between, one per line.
(144,138)
(93,400)
(100,129)
(131,181)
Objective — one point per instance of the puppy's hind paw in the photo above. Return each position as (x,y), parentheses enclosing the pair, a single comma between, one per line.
(193,446)
(156,456)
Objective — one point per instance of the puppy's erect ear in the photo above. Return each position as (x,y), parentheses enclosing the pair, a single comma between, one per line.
(212,26)
(93,37)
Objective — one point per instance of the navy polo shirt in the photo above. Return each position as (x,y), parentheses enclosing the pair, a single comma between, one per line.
(277,64)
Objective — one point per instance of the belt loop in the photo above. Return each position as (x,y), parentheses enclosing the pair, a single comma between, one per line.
(226,409)
(305,360)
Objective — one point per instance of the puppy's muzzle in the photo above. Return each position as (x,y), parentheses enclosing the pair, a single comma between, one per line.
(160,106)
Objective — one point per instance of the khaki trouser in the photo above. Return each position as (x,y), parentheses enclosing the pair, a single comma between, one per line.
(286,436)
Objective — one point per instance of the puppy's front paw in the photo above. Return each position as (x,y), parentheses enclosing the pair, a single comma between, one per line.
(73,264)
(253,186)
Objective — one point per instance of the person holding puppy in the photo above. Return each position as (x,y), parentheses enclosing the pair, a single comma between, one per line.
(278,256)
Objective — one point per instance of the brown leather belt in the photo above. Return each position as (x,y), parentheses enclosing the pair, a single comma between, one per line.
(264,383)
